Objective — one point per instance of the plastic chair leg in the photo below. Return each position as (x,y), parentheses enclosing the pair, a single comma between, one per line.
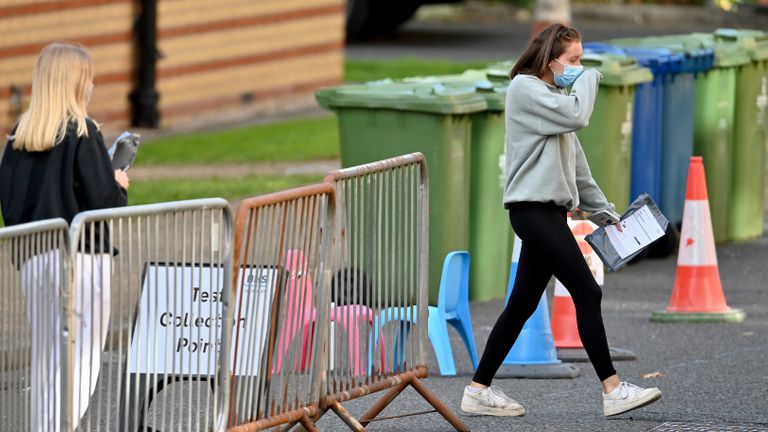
(441,343)
(463,324)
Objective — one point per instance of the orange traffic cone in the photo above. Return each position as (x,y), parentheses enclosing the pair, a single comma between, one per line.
(564,328)
(697,295)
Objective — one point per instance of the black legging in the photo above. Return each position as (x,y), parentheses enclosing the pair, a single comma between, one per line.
(548,248)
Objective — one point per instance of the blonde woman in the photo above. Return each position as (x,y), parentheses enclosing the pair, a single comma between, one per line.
(56,165)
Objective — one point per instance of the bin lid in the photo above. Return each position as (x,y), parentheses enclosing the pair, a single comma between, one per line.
(499,72)
(726,54)
(755,42)
(696,58)
(658,60)
(617,70)
(494,93)
(439,98)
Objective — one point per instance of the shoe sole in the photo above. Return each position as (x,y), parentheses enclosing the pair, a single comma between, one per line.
(498,412)
(643,402)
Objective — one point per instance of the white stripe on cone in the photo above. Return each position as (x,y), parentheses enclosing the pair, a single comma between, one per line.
(516,246)
(560,290)
(697,243)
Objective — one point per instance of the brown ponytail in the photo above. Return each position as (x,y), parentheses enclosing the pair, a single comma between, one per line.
(548,45)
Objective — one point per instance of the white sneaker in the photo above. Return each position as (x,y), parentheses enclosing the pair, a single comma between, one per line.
(627,397)
(490,401)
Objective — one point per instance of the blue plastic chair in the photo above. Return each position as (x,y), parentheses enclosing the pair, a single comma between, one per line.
(452,308)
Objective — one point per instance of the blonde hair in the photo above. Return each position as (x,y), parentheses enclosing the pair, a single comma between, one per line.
(60,84)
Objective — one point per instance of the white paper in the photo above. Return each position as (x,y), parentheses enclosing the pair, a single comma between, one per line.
(640,229)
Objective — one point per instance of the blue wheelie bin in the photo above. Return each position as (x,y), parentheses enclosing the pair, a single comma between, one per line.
(646,170)
(677,125)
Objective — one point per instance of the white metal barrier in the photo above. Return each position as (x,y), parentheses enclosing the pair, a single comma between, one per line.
(34,268)
(149,343)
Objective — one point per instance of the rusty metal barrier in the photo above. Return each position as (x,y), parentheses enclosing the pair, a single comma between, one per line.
(34,269)
(379,289)
(282,243)
(150,317)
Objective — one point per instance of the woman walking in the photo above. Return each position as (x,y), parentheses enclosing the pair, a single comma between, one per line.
(55,165)
(546,176)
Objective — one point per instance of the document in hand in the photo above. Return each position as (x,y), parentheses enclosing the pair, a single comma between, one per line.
(123,151)
(642,223)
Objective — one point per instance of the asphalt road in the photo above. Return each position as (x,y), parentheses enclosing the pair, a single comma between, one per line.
(710,374)
(499,38)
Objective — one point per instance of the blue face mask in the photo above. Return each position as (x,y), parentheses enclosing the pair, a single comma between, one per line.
(569,75)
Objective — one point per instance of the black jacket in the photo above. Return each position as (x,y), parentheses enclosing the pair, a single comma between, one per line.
(74,176)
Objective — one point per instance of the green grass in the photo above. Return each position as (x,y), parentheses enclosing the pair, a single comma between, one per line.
(371,70)
(148,192)
(292,140)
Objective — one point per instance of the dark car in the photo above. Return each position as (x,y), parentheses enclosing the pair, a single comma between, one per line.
(369,18)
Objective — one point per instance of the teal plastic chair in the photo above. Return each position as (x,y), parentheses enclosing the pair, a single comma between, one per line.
(452,308)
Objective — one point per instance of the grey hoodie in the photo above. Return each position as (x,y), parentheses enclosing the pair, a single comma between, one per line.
(544,159)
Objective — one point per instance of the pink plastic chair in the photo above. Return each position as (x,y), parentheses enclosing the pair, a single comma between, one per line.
(300,311)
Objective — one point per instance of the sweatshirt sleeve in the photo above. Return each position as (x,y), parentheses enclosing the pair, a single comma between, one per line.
(558,113)
(591,198)
(98,186)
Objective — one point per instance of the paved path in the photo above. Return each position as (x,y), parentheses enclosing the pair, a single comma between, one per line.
(496,33)
(710,373)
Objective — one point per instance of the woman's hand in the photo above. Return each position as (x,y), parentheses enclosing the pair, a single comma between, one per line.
(122,178)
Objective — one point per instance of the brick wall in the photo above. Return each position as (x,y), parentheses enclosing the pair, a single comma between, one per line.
(215,54)
(104,26)
(231,52)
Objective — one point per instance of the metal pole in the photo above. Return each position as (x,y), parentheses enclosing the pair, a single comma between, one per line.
(144,97)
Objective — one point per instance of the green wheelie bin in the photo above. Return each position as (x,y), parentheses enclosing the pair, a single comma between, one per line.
(750,134)
(379,121)
(490,234)
(607,141)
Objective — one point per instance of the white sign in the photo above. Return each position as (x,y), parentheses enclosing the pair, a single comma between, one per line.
(179,319)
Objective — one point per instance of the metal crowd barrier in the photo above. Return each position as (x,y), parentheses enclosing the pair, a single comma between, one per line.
(379,289)
(149,335)
(34,266)
(330,304)
(282,249)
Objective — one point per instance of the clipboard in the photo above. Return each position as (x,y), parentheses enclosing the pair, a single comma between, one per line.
(649,224)
(123,151)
